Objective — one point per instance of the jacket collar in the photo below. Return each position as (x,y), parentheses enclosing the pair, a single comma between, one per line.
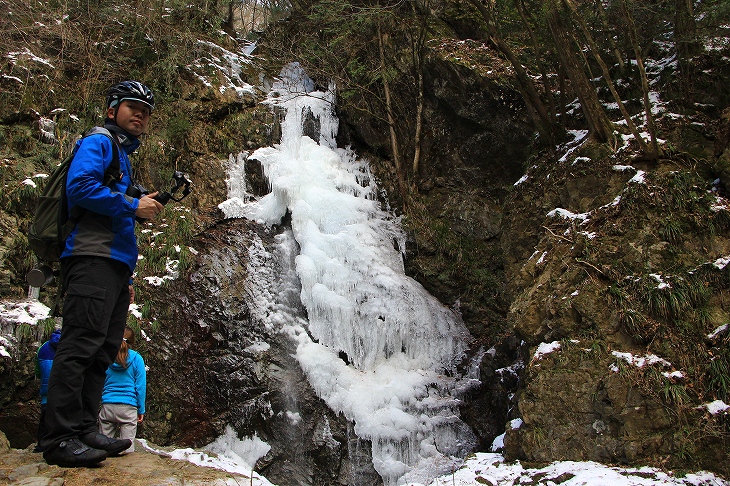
(126,141)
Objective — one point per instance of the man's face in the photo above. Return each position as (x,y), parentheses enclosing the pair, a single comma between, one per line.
(131,116)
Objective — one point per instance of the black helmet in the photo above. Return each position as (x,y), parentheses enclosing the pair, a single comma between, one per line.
(130,90)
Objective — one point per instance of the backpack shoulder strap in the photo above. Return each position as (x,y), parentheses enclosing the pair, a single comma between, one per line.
(113,172)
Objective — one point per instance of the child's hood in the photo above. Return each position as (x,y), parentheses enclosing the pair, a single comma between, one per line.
(55,338)
(116,366)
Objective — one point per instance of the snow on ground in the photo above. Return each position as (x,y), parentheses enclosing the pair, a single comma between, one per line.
(227,453)
(490,469)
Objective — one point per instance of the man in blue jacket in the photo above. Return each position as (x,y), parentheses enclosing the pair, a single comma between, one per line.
(96,268)
(43,363)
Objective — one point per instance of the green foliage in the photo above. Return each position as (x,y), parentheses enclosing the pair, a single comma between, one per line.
(347,31)
(637,325)
(718,373)
(48,325)
(721,218)
(686,447)
(164,244)
(25,331)
(597,348)
(618,294)
(644,303)
(22,198)
(675,393)
(146,311)
(356,69)
(716,13)
(671,230)
(178,128)
(682,190)
(151,313)
(666,301)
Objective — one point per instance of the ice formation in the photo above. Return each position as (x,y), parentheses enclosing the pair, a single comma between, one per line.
(378,347)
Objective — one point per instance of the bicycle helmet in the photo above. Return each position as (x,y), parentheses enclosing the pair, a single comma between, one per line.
(130,90)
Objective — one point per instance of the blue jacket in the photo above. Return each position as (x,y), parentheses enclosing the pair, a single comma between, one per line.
(127,385)
(107,227)
(44,362)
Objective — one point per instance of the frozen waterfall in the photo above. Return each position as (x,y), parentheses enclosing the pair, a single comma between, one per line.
(377,346)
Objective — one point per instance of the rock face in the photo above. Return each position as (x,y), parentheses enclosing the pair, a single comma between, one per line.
(214,364)
(627,305)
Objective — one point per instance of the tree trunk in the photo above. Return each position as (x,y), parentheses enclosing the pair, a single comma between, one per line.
(535,106)
(419,125)
(687,44)
(391,119)
(417,50)
(547,87)
(607,77)
(563,99)
(652,152)
(612,42)
(599,126)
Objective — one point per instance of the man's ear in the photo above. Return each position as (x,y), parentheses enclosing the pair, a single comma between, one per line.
(110,112)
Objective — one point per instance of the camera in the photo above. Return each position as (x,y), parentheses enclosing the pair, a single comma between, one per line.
(179,180)
(136,190)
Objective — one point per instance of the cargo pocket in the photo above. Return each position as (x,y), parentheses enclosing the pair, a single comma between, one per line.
(84,306)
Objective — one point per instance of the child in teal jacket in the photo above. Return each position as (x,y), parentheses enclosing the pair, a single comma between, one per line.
(125,392)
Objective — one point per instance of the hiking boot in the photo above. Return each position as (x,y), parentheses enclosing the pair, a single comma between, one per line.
(73,453)
(113,447)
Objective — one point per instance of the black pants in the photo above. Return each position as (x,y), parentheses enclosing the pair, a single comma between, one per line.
(94,316)
(41,427)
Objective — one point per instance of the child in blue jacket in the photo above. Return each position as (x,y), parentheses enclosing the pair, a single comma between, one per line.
(43,363)
(125,392)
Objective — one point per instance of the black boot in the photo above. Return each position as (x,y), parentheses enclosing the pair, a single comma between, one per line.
(113,447)
(73,453)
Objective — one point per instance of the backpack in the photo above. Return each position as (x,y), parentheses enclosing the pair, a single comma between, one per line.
(52,222)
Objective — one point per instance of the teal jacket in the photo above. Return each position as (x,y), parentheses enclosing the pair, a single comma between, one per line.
(127,385)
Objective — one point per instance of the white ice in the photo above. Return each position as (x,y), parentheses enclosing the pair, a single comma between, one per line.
(378,346)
